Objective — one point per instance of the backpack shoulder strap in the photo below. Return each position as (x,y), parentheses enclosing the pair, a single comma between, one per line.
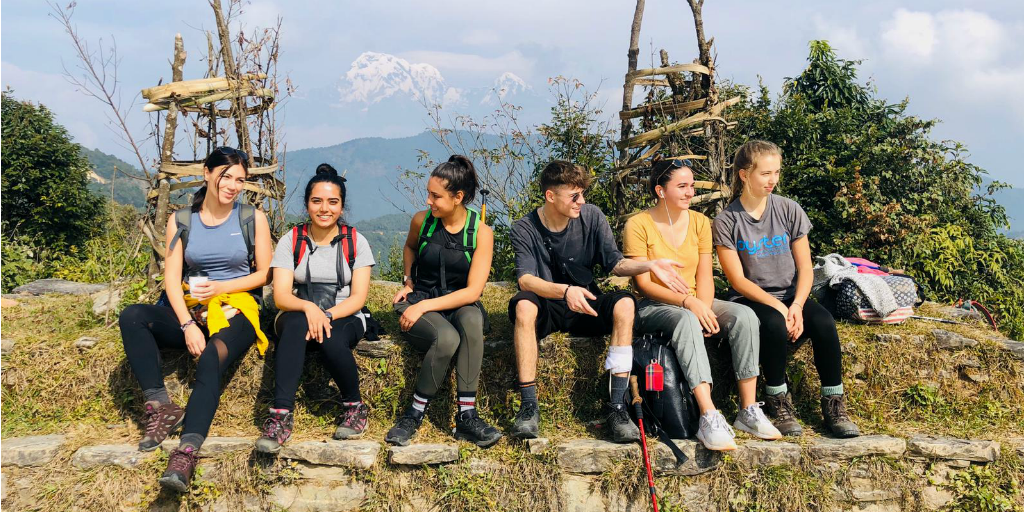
(247,221)
(469,232)
(183,221)
(348,244)
(299,242)
(432,221)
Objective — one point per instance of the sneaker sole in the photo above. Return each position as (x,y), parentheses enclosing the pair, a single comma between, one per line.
(396,442)
(272,451)
(744,428)
(726,448)
(173,484)
(481,443)
(336,437)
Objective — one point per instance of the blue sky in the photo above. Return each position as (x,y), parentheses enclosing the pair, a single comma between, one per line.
(957,61)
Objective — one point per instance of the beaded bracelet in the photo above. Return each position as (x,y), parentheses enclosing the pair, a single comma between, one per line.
(186,324)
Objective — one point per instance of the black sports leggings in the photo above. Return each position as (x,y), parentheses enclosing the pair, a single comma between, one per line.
(290,355)
(819,326)
(145,329)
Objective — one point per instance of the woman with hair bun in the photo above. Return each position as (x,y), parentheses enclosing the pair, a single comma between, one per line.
(221,248)
(447,259)
(321,279)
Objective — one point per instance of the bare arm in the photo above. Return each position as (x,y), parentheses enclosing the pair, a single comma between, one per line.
(653,290)
(172,273)
(546,289)
(664,269)
(479,269)
(409,255)
(733,268)
(804,269)
(705,280)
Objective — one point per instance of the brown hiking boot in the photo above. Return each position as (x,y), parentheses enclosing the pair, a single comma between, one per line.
(161,420)
(180,466)
(833,411)
(782,413)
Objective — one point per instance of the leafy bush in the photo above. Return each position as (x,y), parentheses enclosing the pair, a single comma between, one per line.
(116,254)
(19,264)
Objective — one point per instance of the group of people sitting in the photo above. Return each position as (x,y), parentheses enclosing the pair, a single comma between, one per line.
(219,255)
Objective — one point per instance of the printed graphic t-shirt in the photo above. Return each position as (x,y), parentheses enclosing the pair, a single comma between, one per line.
(643,239)
(764,246)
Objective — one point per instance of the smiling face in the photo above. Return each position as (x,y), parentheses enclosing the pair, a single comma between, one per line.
(567,200)
(440,201)
(324,205)
(763,177)
(679,189)
(225,183)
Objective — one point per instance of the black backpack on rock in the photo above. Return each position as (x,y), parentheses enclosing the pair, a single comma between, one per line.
(672,411)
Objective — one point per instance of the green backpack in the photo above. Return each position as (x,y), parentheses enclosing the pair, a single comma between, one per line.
(468,245)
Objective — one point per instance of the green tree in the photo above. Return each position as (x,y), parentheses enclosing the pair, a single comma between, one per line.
(45,197)
(876,185)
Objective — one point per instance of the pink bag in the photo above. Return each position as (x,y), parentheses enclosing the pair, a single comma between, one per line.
(868,267)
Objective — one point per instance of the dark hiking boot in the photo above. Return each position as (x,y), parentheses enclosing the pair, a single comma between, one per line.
(833,411)
(161,420)
(619,426)
(527,424)
(276,430)
(782,413)
(180,466)
(405,428)
(353,422)
(470,427)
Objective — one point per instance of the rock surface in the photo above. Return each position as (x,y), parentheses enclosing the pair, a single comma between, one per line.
(30,451)
(1015,348)
(124,455)
(767,453)
(592,455)
(417,454)
(950,448)
(86,342)
(697,459)
(323,473)
(379,348)
(318,498)
(43,286)
(538,445)
(952,341)
(106,301)
(6,346)
(353,454)
(842,449)
(214,446)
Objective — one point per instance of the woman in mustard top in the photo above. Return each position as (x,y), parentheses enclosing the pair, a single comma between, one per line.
(671,230)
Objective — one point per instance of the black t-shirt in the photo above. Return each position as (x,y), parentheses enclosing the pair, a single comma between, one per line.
(587,241)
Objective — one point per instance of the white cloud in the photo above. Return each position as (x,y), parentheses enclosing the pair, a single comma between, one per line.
(910,36)
(970,36)
(479,36)
(841,36)
(476,65)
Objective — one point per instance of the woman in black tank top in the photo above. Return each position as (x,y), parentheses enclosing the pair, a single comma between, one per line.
(447,258)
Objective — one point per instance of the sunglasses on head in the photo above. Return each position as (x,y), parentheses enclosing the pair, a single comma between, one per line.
(227,150)
(675,163)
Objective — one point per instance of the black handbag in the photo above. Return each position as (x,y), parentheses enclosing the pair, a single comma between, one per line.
(674,409)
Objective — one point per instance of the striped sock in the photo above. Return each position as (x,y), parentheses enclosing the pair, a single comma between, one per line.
(419,403)
(528,391)
(832,390)
(776,390)
(466,400)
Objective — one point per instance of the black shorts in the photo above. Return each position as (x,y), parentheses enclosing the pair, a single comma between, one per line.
(553,315)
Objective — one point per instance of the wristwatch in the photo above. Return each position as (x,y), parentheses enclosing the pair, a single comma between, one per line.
(329,315)
(406,279)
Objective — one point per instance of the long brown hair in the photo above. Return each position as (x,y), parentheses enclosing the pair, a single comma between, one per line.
(745,159)
(220,157)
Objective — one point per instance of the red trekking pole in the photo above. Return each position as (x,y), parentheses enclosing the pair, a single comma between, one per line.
(643,438)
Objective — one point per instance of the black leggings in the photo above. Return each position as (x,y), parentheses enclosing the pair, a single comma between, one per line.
(290,355)
(145,329)
(819,326)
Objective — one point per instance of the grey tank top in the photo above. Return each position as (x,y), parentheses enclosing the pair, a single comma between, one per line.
(219,250)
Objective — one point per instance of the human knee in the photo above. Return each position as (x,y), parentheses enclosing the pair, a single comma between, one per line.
(209,362)
(526,312)
(624,310)
(131,316)
(470,319)
(774,325)
(447,342)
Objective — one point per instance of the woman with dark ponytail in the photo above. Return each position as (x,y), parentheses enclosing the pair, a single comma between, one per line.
(221,249)
(447,259)
(321,279)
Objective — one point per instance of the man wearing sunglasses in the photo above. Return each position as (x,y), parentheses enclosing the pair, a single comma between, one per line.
(557,247)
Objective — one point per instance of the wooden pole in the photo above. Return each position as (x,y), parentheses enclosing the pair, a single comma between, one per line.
(231,72)
(166,155)
(618,191)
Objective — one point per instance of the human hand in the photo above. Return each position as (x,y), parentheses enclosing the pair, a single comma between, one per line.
(318,323)
(206,290)
(795,321)
(411,315)
(666,272)
(195,340)
(707,318)
(576,299)
(402,294)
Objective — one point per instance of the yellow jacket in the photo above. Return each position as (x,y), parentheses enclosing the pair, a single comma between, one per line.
(217,320)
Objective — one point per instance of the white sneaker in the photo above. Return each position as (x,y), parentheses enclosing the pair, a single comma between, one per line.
(753,421)
(715,432)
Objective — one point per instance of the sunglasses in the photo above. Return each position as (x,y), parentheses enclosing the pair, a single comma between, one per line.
(576,197)
(227,150)
(675,163)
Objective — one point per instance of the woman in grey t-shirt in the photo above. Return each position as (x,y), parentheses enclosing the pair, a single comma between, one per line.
(761,240)
(321,297)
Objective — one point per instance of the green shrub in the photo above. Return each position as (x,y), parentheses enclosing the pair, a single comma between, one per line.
(19,264)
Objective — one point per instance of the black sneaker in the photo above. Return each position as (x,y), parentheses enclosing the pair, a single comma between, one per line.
(276,430)
(833,411)
(161,420)
(180,466)
(782,413)
(527,424)
(403,431)
(619,426)
(470,427)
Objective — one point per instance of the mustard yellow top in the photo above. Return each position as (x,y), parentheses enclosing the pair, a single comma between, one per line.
(643,239)
(217,320)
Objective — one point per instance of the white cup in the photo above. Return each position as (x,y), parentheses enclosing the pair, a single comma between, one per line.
(196,280)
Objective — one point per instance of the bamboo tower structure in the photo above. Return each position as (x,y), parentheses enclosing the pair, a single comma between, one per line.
(680,116)
(245,100)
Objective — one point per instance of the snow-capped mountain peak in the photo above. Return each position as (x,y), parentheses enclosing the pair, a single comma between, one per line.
(506,85)
(375,76)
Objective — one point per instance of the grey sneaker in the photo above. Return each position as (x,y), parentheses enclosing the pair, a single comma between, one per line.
(618,424)
(527,424)
(715,432)
(833,411)
(782,413)
(753,421)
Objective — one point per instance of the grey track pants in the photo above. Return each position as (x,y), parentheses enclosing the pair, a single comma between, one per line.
(441,339)
(680,325)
